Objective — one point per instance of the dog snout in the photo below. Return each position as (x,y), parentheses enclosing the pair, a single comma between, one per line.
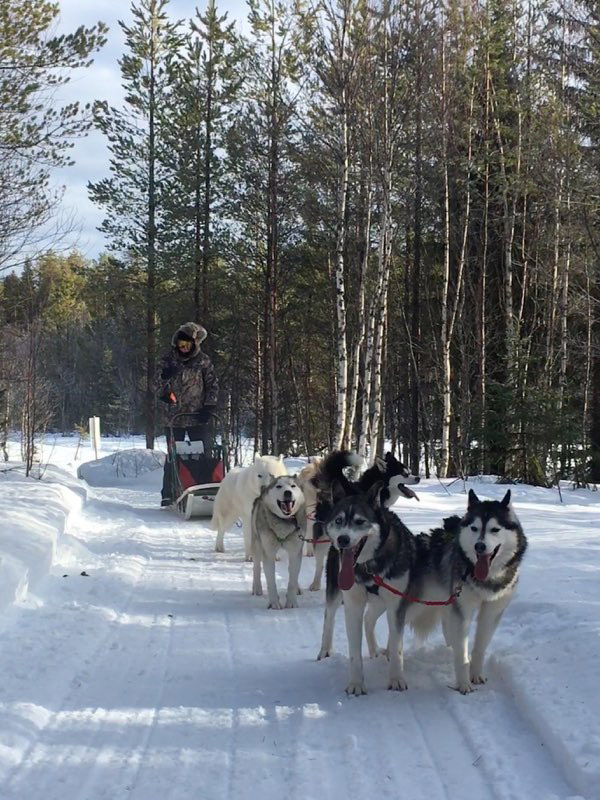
(343,540)
(287,495)
(480,548)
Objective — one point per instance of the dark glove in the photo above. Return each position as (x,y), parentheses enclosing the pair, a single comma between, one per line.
(168,371)
(205,414)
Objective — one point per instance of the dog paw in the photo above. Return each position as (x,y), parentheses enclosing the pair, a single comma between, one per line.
(397,685)
(464,687)
(219,548)
(380,652)
(323,653)
(291,603)
(275,605)
(257,591)
(248,558)
(315,586)
(477,678)
(355,689)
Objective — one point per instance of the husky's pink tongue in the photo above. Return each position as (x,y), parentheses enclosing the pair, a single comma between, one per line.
(482,567)
(346,573)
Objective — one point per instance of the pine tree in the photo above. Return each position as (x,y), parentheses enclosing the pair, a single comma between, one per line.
(36,131)
(136,194)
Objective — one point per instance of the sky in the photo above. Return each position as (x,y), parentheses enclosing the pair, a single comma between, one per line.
(102,81)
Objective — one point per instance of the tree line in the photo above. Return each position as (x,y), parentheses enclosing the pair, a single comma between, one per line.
(384,213)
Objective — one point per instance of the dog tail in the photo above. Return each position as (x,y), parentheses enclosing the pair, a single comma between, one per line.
(332,467)
(425,623)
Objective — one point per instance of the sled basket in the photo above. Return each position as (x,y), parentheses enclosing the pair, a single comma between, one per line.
(195,475)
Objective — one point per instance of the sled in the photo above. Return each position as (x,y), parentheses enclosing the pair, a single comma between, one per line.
(195,475)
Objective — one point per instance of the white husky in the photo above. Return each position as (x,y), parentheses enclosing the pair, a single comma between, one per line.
(278,522)
(237,492)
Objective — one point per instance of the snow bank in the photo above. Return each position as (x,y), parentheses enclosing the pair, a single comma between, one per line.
(121,467)
(36,513)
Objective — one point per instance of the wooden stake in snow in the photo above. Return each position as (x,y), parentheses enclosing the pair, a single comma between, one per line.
(95,434)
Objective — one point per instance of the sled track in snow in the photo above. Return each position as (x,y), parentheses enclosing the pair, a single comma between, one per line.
(178,685)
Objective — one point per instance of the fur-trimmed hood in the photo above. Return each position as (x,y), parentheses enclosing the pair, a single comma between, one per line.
(193,331)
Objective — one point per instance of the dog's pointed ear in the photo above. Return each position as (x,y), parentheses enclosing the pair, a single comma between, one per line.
(374,494)
(337,491)
(506,499)
(380,464)
(473,499)
(257,456)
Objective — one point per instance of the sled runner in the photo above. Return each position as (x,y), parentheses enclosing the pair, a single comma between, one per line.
(195,475)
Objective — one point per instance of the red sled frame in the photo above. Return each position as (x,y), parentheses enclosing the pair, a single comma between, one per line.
(195,497)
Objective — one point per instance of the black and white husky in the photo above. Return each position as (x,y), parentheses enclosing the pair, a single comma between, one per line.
(278,521)
(318,478)
(482,552)
(369,540)
(469,566)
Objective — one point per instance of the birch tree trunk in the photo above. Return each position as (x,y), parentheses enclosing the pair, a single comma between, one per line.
(415,322)
(362,317)
(340,286)
(207,190)
(380,319)
(151,249)
(273,243)
(449,314)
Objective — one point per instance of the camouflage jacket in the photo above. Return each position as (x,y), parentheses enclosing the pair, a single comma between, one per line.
(191,378)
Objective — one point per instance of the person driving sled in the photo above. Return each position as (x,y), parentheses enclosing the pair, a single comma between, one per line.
(188,385)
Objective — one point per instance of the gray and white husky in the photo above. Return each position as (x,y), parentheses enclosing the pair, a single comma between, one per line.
(278,521)
(473,562)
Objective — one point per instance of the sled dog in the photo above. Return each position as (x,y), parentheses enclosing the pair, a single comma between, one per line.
(317,479)
(482,551)
(367,538)
(237,492)
(278,521)
(473,562)
(480,555)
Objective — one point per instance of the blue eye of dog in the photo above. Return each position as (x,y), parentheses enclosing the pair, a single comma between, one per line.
(339,520)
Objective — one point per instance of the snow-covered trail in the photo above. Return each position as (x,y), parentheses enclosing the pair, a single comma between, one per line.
(158,676)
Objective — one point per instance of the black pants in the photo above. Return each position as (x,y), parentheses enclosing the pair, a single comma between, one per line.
(195,433)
